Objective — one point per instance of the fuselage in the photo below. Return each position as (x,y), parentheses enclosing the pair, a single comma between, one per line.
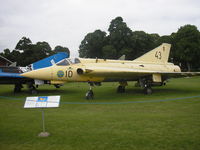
(77,70)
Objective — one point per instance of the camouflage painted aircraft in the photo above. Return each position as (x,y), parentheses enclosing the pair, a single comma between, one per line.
(149,70)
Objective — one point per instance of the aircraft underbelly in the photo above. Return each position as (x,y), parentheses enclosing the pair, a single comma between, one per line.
(115,79)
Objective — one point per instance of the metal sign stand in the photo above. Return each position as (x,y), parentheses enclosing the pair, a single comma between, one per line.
(42,102)
(43,133)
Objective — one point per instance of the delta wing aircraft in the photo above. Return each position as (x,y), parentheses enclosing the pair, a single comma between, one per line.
(149,70)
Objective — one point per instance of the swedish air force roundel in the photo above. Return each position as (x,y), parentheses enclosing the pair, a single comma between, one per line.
(60,73)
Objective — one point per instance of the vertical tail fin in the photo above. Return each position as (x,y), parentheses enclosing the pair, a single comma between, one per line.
(159,54)
(49,61)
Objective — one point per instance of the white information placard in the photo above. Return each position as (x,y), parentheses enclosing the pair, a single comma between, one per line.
(42,102)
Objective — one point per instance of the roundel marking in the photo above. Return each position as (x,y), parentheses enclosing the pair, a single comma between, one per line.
(60,73)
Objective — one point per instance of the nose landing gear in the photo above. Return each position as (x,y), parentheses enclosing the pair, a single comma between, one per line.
(90,93)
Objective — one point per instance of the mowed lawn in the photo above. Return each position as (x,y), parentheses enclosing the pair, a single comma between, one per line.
(128,121)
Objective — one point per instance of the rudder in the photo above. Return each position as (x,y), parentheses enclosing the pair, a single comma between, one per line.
(159,54)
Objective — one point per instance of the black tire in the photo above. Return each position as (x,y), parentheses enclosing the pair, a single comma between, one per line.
(34,91)
(17,88)
(121,89)
(148,90)
(89,95)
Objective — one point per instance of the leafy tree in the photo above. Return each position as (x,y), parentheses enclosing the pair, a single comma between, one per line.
(61,49)
(128,52)
(142,43)
(120,34)
(43,48)
(187,46)
(26,52)
(109,52)
(23,44)
(92,44)
(12,56)
(164,39)
(6,53)
(155,37)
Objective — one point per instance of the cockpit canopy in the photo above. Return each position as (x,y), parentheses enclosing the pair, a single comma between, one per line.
(68,61)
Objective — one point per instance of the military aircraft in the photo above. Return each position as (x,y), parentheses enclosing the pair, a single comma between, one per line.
(149,70)
(12,74)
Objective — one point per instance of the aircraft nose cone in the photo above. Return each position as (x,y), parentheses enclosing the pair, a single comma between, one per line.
(42,74)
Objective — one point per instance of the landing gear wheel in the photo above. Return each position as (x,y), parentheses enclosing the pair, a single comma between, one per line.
(18,88)
(148,90)
(121,89)
(34,91)
(89,95)
(57,86)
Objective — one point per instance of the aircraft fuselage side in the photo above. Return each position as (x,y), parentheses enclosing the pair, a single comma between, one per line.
(70,73)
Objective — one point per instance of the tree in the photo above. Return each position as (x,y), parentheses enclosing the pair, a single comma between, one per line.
(92,44)
(12,56)
(120,34)
(26,52)
(31,52)
(6,53)
(43,48)
(23,44)
(127,52)
(61,49)
(187,46)
(142,42)
(109,52)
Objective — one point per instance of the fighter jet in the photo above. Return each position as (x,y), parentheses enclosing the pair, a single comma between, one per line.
(149,70)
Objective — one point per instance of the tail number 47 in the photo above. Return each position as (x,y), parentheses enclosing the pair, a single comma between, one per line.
(158,55)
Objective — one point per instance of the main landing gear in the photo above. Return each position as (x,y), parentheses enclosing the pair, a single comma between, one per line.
(148,90)
(32,88)
(18,87)
(121,87)
(146,85)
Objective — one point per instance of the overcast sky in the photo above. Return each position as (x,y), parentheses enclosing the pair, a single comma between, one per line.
(66,22)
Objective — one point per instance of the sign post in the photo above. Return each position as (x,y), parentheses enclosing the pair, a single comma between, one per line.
(42,102)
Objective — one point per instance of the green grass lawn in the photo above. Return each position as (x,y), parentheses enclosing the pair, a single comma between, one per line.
(105,124)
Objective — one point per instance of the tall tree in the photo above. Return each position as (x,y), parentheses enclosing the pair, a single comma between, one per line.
(142,42)
(23,44)
(31,52)
(92,44)
(61,49)
(119,34)
(26,52)
(187,46)
(109,52)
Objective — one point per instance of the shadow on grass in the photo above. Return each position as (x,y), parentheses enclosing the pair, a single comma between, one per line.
(164,90)
(40,92)
(77,93)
